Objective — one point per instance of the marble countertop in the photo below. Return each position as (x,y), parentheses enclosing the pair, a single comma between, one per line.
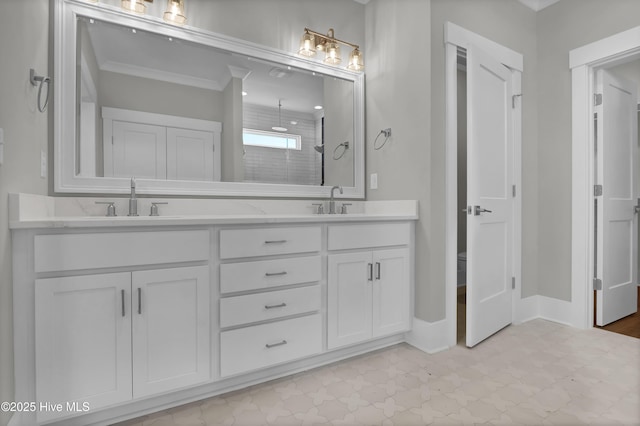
(28,211)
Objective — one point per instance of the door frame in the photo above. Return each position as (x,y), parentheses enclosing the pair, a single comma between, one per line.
(457,37)
(583,62)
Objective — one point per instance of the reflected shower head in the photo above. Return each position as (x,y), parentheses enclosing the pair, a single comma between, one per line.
(319,148)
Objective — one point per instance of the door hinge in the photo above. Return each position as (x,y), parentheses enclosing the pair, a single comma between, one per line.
(597,99)
(513,191)
(513,283)
(513,99)
(597,284)
(597,190)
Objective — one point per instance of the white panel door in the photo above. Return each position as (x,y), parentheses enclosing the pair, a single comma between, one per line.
(617,236)
(192,155)
(83,341)
(349,298)
(171,329)
(137,150)
(489,196)
(391,309)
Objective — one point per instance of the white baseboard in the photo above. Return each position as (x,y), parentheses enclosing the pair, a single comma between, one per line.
(429,337)
(555,310)
(526,309)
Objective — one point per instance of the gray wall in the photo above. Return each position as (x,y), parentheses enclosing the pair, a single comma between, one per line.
(398,67)
(24,43)
(462,161)
(562,27)
(512,25)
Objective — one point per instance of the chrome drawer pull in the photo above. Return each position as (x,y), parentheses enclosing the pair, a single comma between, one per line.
(122,298)
(275,274)
(370,274)
(282,305)
(139,301)
(377,270)
(275,241)
(273,345)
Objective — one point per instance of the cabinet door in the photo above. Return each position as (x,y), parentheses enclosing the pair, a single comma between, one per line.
(136,150)
(192,155)
(349,298)
(171,329)
(391,291)
(83,340)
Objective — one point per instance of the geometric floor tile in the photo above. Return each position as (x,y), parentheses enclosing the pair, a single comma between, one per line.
(537,373)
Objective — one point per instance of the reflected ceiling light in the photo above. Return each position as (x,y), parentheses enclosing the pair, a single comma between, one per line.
(134,6)
(317,107)
(313,42)
(244,93)
(175,12)
(279,127)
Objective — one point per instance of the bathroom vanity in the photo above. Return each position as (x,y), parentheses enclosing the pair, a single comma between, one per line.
(115,317)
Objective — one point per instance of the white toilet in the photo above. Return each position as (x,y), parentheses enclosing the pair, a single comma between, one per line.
(462,269)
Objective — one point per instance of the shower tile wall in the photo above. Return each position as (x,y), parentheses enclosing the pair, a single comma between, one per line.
(273,165)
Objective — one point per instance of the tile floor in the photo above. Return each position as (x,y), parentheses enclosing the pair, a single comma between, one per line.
(538,373)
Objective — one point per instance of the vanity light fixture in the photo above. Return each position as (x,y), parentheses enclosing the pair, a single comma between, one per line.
(175,12)
(135,6)
(279,127)
(313,41)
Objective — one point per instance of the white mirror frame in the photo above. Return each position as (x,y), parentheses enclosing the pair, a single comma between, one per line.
(65,179)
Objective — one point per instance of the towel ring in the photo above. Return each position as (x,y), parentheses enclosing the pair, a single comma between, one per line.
(38,80)
(345,146)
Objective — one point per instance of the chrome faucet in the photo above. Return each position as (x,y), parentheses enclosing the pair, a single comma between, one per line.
(133,201)
(332,203)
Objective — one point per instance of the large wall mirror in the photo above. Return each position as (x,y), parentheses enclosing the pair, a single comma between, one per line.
(189,112)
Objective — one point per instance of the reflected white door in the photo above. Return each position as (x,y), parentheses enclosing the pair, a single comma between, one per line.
(138,150)
(192,155)
(617,169)
(489,196)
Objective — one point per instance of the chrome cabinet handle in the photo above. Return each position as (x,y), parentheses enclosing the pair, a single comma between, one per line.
(122,298)
(477,210)
(377,270)
(273,345)
(282,305)
(370,276)
(275,274)
(275,241)
(139,300)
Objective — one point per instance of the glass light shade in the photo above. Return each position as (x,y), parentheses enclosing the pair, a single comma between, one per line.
(175,12)
(307,45)
(332,53)
(356,62)
(135,6)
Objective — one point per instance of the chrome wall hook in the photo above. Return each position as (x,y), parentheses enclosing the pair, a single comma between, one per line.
(38,80)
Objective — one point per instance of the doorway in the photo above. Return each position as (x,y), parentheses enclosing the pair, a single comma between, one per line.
(621,48)
(494,217)
(621,315)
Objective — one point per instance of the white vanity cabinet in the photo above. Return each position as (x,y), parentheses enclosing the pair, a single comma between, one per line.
(369,291)
(108,338)
(116,316)
(83,340)
(126,316)
(275,301)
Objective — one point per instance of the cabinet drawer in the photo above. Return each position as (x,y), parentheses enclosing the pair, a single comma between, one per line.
(269,344)
(67,252)
(236,243)
(344,237)
(264,306)
(263,274)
